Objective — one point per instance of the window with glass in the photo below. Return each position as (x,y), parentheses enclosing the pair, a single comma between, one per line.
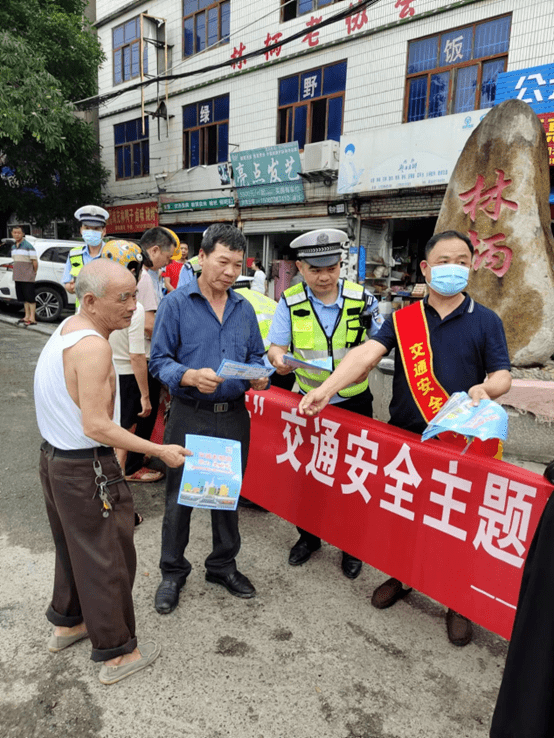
(206,132)
(293,8)
(132,157)
(456,71)
(205,23)
(126,51)
(311,105)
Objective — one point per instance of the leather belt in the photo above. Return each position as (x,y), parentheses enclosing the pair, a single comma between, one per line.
(214,407)
(76,453)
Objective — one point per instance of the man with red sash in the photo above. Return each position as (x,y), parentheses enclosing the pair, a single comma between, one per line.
(444,344)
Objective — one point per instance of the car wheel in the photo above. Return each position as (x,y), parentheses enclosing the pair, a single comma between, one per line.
(49,304)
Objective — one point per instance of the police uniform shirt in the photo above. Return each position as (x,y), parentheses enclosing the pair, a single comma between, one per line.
(86,259)
(280,332)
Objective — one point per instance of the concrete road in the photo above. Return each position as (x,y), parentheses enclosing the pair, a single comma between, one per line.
(308,657)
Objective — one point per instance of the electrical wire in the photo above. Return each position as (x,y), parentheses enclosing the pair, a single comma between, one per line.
(98,100)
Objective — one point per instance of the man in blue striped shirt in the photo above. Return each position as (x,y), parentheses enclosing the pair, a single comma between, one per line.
(197,326)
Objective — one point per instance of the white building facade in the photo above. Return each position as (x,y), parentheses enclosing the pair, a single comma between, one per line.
(348,89)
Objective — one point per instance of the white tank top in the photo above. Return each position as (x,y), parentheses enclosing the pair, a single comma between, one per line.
(59,418)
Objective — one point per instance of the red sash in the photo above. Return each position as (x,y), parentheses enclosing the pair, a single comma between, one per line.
(414,343)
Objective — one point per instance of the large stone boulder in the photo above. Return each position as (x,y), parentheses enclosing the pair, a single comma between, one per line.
(499,196)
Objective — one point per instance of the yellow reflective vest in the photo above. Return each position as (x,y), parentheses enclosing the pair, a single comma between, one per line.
(77,263)
(264,308)
(309,340)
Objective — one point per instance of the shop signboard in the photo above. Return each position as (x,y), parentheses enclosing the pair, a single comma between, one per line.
(268,176)
(132,218)
(204,204)
(547,119)
(534,85)
(337,208)
(415,154)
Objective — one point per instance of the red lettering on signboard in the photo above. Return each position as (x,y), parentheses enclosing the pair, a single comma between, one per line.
(356,21)
(312,38)
(237,53)
(547,120)
(269,41)
(407,11)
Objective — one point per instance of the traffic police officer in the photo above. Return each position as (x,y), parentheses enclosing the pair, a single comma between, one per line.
(323,316)
(93,229)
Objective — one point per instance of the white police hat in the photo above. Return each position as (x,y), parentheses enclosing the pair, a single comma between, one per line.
(321,248)
(92,215)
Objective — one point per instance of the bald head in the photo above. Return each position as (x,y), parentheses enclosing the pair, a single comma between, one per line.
(99,274)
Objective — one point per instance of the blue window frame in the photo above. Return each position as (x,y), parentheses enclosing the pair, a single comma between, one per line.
(311,105)
(456,71)
(126,51)
(205,23)
(293,8)
(132,152)
(206,132)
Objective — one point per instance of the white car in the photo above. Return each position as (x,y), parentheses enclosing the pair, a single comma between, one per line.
(51,295)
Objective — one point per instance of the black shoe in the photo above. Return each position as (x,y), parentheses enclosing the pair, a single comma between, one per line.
(243,502)
(234,582)
(458,628)
(301,552)
(351,566)
(167,596)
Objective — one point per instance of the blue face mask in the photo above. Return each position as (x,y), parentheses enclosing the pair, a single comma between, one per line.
(92,238)
(449,279)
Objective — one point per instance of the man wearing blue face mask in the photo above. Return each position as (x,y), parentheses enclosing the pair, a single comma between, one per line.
(93,229)
(447,341)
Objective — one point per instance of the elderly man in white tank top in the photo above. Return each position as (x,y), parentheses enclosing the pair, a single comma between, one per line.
(88,502)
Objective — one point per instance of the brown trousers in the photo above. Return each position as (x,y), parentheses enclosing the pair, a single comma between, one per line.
(95,556)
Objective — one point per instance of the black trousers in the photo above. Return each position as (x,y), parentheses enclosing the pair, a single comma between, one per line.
(525,704)
(363,405)
(145,426)
(183,419)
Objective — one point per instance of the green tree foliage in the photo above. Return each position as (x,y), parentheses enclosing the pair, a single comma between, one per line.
(49,56)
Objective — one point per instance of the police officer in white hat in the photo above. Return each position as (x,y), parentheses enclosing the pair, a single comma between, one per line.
(93,229)
(323,316)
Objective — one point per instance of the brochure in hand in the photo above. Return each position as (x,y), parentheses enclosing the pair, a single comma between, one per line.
(212,476)
(486,420)
(234,369)
(315,365)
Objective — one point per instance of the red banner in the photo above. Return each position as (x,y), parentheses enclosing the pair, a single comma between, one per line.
(455,527)
(132,218)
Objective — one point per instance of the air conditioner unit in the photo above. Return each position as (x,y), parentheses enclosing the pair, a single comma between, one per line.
(321,156)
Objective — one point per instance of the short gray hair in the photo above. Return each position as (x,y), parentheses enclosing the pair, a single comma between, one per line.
(95,277)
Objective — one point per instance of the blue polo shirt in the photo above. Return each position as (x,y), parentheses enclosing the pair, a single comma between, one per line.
(467,345)
(189,335)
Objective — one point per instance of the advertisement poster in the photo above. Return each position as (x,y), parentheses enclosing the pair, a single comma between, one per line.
(212,476)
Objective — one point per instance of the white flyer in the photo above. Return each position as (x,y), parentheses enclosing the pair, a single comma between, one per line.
(235,370)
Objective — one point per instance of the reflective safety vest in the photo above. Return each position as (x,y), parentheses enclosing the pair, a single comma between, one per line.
(309,340)
(77,263)
(264,308)
(194,266)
